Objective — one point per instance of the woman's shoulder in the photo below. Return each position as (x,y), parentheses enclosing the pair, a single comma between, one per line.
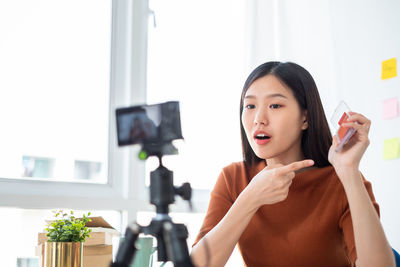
(330,173)
(234,168)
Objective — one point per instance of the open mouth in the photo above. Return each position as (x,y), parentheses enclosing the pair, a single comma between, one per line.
(262,137)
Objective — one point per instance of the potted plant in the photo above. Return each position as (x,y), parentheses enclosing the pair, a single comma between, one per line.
(66,234)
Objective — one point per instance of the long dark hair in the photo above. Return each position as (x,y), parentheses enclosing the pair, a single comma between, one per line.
(317,138)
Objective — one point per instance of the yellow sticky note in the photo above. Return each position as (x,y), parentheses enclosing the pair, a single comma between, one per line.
(389,69)
(391,148)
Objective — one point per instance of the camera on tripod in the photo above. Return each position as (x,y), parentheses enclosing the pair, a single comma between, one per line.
(154,127)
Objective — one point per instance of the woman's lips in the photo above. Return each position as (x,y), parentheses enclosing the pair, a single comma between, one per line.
(261,141)
(261,137)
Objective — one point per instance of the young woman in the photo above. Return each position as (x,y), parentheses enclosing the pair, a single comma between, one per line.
(293,201)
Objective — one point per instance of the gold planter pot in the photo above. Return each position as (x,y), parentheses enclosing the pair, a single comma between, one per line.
(63,254)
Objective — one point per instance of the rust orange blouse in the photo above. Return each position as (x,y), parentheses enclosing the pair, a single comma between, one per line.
(312,227)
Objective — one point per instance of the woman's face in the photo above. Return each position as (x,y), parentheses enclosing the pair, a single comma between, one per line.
(273,120)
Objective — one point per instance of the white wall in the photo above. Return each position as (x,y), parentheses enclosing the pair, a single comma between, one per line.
(342,44)
(365,34)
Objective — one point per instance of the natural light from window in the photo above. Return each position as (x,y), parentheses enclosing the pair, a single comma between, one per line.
(54,97)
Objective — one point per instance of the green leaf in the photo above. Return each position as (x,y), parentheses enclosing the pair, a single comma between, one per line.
(68,229)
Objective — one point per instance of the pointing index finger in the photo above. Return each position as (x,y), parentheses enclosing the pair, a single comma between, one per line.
(297,165)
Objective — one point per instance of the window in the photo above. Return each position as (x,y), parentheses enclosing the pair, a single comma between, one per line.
(54,101)
(63,75)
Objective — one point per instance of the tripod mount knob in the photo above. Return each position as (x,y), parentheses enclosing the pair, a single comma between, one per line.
(185,191)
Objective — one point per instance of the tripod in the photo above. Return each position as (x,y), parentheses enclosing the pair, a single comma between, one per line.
(171,237)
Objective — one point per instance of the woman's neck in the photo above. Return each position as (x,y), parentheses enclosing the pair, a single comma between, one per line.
(286,158)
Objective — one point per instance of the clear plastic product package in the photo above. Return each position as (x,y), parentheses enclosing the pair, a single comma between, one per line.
(340,116)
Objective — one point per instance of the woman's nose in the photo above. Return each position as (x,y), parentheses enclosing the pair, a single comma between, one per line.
(261,117)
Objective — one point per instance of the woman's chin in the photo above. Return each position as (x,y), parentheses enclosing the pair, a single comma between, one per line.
(262,155)
(266,154)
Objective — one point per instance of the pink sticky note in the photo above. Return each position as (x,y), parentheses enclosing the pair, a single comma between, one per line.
(390,108)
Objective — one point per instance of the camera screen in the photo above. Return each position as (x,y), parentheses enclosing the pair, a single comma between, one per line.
(158,123)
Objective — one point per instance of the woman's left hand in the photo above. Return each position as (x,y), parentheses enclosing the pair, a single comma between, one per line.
(352,152)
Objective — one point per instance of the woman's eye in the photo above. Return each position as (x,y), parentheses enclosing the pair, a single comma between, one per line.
(250,106)
(275,106)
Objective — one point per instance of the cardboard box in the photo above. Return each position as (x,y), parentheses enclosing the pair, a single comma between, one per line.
(97,250)
(99,256)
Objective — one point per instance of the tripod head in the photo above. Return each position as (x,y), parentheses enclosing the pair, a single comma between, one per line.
(162,189)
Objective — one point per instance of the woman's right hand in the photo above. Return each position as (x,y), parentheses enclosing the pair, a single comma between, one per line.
(271,185)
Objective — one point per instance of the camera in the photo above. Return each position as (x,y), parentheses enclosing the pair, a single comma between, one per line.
(156,124)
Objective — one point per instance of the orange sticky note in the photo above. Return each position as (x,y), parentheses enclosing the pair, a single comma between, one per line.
(389,69)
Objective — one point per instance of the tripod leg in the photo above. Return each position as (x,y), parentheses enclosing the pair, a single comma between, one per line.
(127,248)
(175,236)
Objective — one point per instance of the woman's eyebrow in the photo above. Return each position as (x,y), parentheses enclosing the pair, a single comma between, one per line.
(267,96)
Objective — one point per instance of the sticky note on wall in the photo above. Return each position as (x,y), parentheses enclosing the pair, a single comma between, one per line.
(389,69)
(390,108)
(391,148)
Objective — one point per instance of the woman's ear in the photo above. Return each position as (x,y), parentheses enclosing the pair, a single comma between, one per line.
(304,126)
